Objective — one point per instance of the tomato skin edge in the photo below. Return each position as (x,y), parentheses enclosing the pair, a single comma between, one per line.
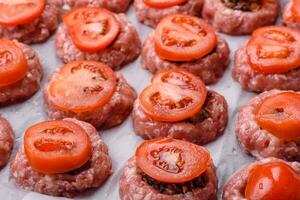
(73,28)
(179,114)
(186,175)
(61,164)
(22,21)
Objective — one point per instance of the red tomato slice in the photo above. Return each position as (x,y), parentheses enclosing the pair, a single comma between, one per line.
(274,49)
(19,12)
(273,181)
(82,86)
(174,95)
(163,3)
(172,161)
(91,29)
(13,65)
(57,147)
(184,38)
(280,115)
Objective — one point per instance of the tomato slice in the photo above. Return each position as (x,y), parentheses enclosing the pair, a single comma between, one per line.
(82,86)
(13,65)
(19,12)
(273,181)
(163,3)
(172,161)
(91,29)
(184,38)
(280,115)
(56,147)
(173,95)
(274,49)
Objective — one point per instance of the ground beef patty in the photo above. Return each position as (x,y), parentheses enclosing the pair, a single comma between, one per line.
(151,16)
(6,141)
(235,187)
(38,30)
(25,88)
(134,185)
(240,17)
(125,48)
(288,18)
(252,80)
(261,143)
(111,114)
(209,68)
(201,129)
(112,5)
(91,175)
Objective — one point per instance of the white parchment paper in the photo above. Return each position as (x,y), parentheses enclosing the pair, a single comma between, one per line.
(122,141)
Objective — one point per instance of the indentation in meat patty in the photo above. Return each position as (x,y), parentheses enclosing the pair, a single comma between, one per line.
(243,5)
(204,113)
(172,188)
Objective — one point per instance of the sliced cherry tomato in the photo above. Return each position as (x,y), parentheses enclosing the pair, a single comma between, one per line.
(173,95)
(184,38)
(57,147)
(13,65)
(82,86)
(280,115)
(273,181)
(91,29)
(172,161)
(274,49)
(19,12)
(296,9)
(163,3)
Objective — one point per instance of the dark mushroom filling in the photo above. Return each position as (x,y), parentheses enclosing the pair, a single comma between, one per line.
(172,188)
(205,112)
(83,168)
(243,5)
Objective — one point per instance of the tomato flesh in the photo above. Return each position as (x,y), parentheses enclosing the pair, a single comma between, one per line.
(13,65)
(173,95)
(57,146)
(273,181)
(19,12)
(280,115)
(91,29)
(163,3)
(82,86)
(172,161)
(274,49)
(184,38)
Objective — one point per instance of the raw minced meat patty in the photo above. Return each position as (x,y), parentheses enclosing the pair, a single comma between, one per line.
(92,175)
(235,187)
(40,29)
(201,129)
(29,85)
(132,186)
(112,5)
(288,18)
(209,68)
(238,20)
(151,16)
(111,114)
(261,143)
(6,141)
(124,49)
(252,80)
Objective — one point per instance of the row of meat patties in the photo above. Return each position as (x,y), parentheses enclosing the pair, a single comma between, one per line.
(175,113)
